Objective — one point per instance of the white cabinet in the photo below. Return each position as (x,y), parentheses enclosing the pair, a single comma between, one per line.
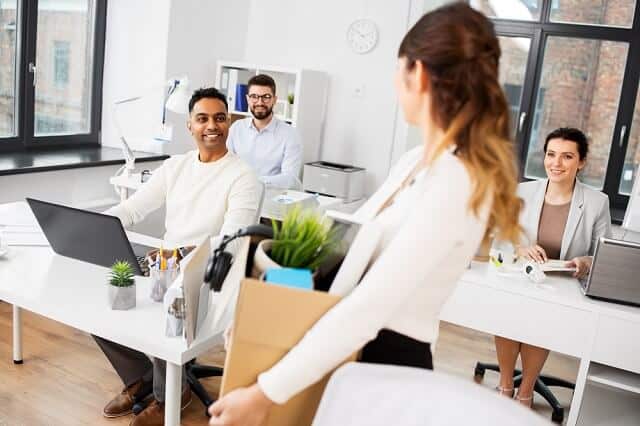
(611,397)
(306,89)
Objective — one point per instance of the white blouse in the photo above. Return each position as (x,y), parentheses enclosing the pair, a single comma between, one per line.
(429,238)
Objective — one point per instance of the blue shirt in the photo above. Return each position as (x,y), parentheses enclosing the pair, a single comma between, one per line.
(275,152)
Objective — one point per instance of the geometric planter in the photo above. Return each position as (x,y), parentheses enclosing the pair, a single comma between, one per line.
(122,298)
(261,260)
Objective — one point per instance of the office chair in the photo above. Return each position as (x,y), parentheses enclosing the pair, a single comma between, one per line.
(541,387)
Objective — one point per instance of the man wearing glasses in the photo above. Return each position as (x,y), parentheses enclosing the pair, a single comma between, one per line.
(271,146)
(207,192)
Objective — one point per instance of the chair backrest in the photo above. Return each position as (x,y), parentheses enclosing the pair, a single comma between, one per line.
(375,394)
(262,189)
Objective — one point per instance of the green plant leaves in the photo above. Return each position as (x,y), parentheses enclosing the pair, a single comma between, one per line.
(304,240)
(121,274)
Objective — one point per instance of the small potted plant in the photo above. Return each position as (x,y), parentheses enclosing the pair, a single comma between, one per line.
(303,240)
(122,286)
(289,110)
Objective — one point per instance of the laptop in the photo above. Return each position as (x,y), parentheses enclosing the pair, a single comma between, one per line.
(88,236)
(614,272)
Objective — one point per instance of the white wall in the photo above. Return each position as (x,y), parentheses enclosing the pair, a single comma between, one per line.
(146,45)
(358,130)
(200,34)
(134,64)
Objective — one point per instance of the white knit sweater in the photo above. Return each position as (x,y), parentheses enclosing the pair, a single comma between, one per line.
(201,199)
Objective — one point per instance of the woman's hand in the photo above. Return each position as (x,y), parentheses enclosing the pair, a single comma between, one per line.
(582,265)
(241,407)
(534,252)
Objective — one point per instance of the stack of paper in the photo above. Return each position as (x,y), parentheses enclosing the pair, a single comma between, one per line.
(19,226)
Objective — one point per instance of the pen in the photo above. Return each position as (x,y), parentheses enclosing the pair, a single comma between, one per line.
(173,261)
(163,261)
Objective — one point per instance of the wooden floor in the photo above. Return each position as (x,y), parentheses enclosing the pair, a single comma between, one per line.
(65,379)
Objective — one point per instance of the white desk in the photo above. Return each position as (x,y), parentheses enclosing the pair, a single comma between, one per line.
(604,336)
(75,293)
(270,210)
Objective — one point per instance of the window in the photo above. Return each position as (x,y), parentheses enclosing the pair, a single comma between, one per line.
(580,67)
(51,58)
(581,80)
(8,72)
(632,158)
(60,63)
(515,52)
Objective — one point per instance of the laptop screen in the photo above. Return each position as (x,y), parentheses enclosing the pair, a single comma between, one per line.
(614,272)
(84,235)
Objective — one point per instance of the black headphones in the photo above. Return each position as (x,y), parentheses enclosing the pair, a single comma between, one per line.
(220,262)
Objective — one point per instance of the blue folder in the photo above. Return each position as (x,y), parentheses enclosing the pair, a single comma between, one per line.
(290,277)
(241,98)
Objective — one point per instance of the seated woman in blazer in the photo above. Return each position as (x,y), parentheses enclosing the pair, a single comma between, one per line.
(563,219)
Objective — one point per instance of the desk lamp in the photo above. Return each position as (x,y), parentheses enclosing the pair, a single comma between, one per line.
(176,100)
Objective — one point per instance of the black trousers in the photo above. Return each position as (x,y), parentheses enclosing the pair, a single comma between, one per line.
(394,348)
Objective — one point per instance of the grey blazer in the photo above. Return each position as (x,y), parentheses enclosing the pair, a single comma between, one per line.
(589,217)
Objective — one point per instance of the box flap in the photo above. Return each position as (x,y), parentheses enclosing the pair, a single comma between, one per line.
(264,313)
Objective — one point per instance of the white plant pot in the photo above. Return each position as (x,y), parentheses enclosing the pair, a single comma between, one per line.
(122,298)
(261,260)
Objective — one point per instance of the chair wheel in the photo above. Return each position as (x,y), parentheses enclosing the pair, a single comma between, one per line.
(139,407)
(478,374)
(557,416)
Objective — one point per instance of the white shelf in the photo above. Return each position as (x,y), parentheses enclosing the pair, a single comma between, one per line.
(308,87)
(242,113)
(248,114)
(614,377)
(606,406)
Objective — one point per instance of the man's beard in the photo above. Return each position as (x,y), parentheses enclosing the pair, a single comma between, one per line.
(262,113)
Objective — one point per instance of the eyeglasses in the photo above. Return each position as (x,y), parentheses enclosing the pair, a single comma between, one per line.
(265,98)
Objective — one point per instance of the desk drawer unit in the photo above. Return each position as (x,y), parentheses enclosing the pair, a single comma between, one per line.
(553,326)
(617,343)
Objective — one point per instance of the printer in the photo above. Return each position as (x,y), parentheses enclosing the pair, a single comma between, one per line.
(335,180)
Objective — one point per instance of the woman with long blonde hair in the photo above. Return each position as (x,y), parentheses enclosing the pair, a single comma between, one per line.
(435,207)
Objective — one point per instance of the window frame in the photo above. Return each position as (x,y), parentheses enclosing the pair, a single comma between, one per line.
(539,32)
(26,37)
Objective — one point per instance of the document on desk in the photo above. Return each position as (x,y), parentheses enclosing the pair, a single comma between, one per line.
(19,226)
(221,305)
(17,215)
(18,237)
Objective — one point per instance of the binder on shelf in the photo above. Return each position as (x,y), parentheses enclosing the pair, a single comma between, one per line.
(241,98)
(232,82)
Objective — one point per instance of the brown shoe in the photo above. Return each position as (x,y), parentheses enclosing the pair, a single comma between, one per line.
(122,404)
(153,415)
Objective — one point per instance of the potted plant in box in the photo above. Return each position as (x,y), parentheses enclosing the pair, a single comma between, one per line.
(122,286)
(303,240)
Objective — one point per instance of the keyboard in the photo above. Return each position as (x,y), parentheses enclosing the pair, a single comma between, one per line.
(144,265)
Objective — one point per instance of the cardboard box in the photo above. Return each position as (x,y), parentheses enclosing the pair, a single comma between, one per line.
(269,320)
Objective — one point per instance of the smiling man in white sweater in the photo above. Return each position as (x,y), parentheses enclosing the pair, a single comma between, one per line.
(207,192)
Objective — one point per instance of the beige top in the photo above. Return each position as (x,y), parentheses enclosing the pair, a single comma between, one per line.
(553,220)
